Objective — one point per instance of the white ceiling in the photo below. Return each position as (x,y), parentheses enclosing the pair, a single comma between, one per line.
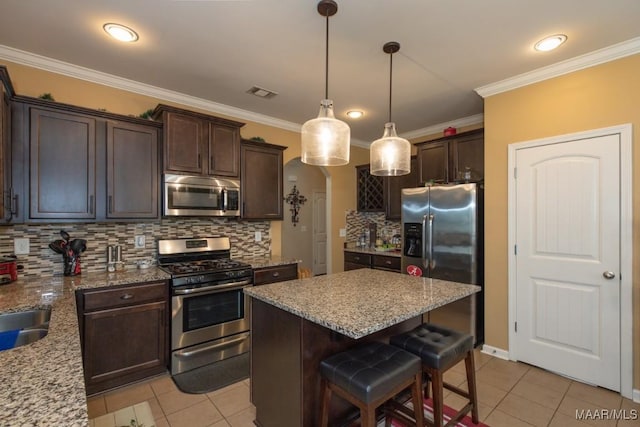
(216,50)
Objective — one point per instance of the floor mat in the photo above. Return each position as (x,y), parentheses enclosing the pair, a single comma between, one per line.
(448,413)
(214,376)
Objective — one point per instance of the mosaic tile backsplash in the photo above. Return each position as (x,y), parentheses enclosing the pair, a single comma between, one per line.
(358,223)
(42,261)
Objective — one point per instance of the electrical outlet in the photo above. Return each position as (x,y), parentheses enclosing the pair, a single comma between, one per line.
(21,246)
(258,235)
(139,242)
(343,232)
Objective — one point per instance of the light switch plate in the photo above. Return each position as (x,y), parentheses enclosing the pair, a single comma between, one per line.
(343,232)
(21,246)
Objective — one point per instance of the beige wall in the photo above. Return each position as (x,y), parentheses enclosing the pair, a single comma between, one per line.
(601,96)
(34,82)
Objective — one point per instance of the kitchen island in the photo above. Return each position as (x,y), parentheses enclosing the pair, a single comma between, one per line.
(298,323)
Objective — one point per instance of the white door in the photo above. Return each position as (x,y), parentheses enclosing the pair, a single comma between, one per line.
(568,258)
(319,233)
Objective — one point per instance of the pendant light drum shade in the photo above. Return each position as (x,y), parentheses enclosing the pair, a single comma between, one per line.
(390,155)
(325,140)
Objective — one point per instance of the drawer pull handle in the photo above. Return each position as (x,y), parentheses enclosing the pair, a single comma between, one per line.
(126,296)
(276,274)
(357,258)
(388,262)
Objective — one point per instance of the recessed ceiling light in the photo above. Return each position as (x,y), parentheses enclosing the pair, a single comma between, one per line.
(355,114)
(550,43)
(120,32)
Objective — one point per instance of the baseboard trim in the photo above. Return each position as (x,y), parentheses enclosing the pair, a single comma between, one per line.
(494,351)
(636,395)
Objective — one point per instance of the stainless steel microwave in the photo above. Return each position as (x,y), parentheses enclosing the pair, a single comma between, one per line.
(186,195)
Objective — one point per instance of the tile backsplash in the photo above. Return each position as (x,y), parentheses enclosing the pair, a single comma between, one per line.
(358,222)
(42,261)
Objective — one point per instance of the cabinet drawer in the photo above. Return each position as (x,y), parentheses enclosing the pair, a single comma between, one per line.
(279,273)
(117,297)
(357,258)
(386,263)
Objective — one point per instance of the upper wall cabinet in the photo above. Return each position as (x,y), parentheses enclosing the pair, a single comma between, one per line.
(455,158)
(261,181)
(83,165)
(198,144)
(62,152)
(393,186)
(132,171)
(7,201)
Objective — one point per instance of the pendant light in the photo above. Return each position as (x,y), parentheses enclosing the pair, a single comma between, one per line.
(325,139)
(390,155)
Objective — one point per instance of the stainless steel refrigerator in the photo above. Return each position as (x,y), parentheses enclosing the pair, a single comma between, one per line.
(442,238)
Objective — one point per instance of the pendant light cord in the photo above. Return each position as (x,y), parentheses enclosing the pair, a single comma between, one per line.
(390,82)
(326,60)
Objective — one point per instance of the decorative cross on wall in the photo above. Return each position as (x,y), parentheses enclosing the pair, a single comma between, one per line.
(295,199)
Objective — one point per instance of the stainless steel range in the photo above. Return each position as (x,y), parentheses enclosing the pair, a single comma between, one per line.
(210,315)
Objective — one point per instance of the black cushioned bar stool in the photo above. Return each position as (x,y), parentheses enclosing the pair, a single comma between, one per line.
(440,349)
(369,375)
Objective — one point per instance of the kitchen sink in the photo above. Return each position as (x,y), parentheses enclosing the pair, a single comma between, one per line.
(30,325)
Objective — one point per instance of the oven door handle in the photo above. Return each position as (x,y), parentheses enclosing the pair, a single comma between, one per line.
(213,347)
(213,289)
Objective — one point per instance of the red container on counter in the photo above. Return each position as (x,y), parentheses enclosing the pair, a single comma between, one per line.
(8,270)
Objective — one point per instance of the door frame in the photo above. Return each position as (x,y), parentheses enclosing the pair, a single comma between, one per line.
(314,250)
(626,242)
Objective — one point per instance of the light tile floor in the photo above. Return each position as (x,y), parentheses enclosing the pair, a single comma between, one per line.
(510,395)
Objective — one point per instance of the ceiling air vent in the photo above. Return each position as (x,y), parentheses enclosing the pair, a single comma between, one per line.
(262,93)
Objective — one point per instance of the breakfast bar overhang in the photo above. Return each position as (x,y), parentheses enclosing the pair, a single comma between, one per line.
(298,323)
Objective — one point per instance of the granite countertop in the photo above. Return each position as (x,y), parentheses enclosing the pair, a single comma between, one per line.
(43,382)
(267,261)
(394,253)
(360,302)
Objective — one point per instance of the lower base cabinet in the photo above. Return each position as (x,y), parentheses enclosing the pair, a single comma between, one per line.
(124,334)
(278,273)
(355,260)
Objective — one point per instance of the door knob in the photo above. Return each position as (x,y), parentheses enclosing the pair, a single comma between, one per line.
(609,275)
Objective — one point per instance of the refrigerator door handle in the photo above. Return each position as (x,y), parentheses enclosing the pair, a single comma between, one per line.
(431,263)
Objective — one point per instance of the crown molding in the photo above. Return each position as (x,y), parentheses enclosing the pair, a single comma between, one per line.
(611,53)
(438,128)
(93,76)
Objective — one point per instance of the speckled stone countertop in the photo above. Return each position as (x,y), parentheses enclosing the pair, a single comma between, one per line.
(267,261)
(360,302)
(43,383)
(394,253)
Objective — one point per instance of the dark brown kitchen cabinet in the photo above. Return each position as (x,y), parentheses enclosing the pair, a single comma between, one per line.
(261,180)
(455,158)
(132,171)
(62,149)
(224,150)
(124,333)
(355,259)
(393,186)
(384,262)
(273,274)
(7,204)
(78,164)
(199,144)
(370,190)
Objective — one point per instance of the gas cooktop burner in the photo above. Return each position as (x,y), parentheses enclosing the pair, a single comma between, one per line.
(204,266)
